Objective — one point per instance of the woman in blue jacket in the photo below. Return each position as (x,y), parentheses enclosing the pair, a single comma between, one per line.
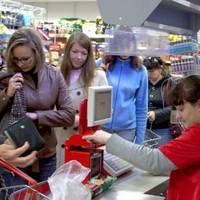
(129,80)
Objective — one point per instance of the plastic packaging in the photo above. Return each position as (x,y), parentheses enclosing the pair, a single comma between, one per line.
(66,182)
(136,41)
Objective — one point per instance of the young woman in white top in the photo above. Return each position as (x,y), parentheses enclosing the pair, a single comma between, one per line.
(79,70)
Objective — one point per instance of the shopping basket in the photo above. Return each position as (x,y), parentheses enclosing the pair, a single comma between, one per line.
(31,191)
(151,139)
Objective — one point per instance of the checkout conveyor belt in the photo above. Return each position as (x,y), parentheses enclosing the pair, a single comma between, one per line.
(136,185)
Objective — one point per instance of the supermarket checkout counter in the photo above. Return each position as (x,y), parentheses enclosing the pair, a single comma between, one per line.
(137,185)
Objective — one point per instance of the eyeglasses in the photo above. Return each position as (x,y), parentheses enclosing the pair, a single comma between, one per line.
(22,60)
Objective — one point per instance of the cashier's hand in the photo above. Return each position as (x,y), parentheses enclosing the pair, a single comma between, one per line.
(12,155)
(100,137)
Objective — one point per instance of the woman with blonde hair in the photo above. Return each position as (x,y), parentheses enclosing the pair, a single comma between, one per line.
(79,70)
(44,89)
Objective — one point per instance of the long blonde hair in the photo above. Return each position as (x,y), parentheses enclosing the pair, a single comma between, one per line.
(28,37)
(89,67)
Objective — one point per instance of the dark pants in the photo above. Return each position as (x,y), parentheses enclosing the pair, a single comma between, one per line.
(47,167)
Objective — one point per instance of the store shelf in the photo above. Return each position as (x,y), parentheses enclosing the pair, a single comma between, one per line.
(92,36)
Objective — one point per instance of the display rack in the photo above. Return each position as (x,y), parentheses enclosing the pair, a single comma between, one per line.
(19,7)
(185,57)
(14,15)
(57,33)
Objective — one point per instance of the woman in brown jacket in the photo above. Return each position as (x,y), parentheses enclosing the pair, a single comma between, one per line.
(44,89)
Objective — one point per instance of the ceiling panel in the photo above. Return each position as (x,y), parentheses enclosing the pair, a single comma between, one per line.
(178,16)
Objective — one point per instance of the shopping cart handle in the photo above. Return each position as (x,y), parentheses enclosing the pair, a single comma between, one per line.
(18,172)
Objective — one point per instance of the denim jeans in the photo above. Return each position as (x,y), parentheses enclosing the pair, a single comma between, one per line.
(10,180)
(47,167)
(126,134)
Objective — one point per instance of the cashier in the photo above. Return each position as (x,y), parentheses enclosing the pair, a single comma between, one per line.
(180,157)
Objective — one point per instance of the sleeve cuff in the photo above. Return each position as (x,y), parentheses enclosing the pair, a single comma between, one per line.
(114,141)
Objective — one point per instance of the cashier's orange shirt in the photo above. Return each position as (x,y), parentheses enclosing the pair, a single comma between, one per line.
(184,152)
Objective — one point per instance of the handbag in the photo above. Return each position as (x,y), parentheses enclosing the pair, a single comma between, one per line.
(21,128)
(24,130)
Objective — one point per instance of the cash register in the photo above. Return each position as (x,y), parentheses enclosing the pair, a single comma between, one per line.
(94,111)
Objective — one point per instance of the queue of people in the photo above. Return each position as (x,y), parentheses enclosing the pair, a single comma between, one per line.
(141,100)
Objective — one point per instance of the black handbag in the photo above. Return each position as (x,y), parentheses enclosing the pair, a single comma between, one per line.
(21,128)
(24,130)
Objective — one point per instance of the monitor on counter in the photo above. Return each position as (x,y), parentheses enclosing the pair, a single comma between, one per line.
(99,108)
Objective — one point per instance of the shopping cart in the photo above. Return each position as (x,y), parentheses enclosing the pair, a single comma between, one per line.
(151,139)
(31,191)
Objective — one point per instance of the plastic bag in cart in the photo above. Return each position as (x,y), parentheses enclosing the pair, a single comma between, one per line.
(66,182)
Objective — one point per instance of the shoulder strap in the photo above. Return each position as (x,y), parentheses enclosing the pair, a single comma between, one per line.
(18,109)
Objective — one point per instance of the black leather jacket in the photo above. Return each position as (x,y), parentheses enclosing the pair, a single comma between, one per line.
(157,103)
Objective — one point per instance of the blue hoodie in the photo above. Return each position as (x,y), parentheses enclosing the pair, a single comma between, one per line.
(130,98)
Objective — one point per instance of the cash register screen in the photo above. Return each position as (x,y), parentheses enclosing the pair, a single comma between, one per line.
(99,105)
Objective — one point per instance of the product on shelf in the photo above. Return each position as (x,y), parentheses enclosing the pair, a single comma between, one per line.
(185,46)
(55,51)
(184,57)
(89,28)
(100,26)
(72,24)
(5,34)
(98,49)
(15,14)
